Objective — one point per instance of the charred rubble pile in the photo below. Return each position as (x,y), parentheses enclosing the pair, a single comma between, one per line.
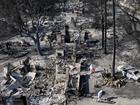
(14,49)
(52,80)
(28,79)
(65,76)
(58,79)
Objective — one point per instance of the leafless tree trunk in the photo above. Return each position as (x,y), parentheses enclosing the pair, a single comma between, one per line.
(37,44)
(114,40)
(102,23)
(35,31)
(105,27)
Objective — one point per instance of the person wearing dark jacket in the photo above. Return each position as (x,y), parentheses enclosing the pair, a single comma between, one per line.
(86,36)
(67,35)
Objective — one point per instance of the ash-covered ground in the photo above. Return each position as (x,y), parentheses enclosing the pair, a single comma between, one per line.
(71,71)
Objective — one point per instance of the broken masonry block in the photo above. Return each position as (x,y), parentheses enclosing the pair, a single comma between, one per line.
(60,53)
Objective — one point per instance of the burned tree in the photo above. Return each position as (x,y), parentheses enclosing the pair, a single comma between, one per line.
(27,17)
(105,26)
(34,19)
(103,4)
(102,23)
(35,31)
(114,40)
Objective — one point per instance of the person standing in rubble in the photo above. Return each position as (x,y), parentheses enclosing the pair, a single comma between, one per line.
(26,67)
(8,44)
(67,35)
(83,10)
(86,36)
(73,21)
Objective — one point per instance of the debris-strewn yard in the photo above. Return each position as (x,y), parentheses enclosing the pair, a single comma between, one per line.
(60,59)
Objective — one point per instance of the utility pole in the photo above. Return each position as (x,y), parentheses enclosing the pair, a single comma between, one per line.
(105,27)
(114,40)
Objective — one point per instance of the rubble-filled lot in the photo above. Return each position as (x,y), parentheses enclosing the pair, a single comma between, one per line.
(67,72)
